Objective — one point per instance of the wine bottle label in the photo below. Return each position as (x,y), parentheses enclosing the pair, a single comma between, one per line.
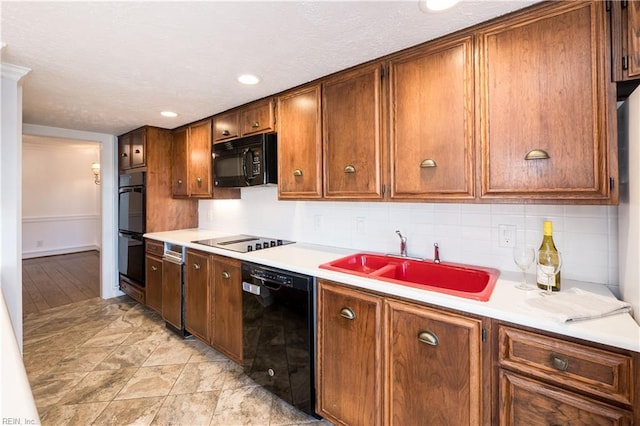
(544,279)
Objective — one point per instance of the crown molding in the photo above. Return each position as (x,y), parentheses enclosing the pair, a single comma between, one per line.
(13,72)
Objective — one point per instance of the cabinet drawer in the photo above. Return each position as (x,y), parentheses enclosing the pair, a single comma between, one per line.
(132,290)
(154,247)
(595,371)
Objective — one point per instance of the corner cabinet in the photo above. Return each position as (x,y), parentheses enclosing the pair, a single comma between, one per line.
(431,109)
(300,144)
(385,361)
(545,101)
(352,134)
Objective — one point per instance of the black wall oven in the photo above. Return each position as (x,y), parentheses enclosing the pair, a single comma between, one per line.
(131,226)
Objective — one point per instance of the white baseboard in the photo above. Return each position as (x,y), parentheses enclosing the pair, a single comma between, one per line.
(54,252)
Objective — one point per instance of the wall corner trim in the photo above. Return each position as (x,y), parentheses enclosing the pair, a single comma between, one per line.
(13,72)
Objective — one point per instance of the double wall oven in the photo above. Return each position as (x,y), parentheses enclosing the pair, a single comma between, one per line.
(131,227)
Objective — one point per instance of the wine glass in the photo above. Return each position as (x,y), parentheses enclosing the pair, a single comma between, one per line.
(549,264)
(524,257)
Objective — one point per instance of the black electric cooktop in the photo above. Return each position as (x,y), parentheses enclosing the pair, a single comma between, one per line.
(243,243)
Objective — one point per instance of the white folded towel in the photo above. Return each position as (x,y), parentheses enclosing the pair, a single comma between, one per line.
(575,304)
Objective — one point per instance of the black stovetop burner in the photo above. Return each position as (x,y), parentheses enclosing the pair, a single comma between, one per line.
(243,243)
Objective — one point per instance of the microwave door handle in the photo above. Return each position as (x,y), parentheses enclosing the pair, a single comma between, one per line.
(247,152)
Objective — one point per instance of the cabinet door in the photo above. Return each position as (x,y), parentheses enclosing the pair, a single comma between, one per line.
(138,145)
(226,307)
(124,152)
(199,137)
(544,105)
(197,294)
(349,376)
(528,402)
(179,169)
(172,293)
(351,112)
(153,283)
(225,126)
(633,39)
(432,113)
(300,144)
(434,366)
(257,118)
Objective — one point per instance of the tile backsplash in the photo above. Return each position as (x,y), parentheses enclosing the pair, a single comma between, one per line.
(466,233)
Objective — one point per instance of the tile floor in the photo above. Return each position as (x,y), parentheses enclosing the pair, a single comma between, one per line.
(113,362)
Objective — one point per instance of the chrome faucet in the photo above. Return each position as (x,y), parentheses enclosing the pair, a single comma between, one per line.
(403,244)
(436,253)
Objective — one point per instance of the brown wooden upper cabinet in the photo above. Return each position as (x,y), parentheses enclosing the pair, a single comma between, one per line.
(545,106)
(131,149)
(253,118)
(431,121)
(625,39)
(352,134)
(300,144)
(192,163)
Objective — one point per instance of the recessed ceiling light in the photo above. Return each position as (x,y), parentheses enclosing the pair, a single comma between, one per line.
(249,79)
(436,5)
(170,114)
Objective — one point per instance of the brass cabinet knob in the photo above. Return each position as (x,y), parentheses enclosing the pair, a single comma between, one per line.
(559,362)
(154,268)
(137,151)
(428,163)
(349,169)
(537,154)
(179,181)
(347,313)
(297,172)
(199,180)
(226,275)
(226,133)
(255,124)
(124,154)
(196,266)
(428,337)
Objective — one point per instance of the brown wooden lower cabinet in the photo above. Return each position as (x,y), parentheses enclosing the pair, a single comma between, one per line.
(546,379)
(384,361)
(197,294)
(528,402)
(226,307)
(153,282)
(349,360)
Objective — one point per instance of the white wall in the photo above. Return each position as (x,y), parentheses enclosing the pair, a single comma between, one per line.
(466,233)
(630,206)
(60,201)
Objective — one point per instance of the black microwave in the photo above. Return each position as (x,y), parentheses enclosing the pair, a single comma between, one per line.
(247,161)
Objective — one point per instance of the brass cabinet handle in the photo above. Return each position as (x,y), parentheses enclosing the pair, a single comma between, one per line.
(428,337)
(428,163)
(226,275)
(196,266)
(124,154)
(537,154)
(137,151)
(347,313)
(225,133)
(255,124)
(199,180)
(154,268)
(559,362)
(179,181)
(297,172)
(349,169)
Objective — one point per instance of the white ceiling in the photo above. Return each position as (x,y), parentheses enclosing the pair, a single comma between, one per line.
(110,67)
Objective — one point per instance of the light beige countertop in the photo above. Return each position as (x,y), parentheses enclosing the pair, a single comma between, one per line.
(506,302)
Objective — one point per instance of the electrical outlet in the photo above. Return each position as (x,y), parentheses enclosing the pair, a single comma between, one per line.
(507,235)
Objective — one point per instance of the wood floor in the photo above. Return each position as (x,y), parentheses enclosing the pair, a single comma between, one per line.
(48,282)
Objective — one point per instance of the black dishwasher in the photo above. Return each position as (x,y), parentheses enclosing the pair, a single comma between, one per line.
(278,318)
